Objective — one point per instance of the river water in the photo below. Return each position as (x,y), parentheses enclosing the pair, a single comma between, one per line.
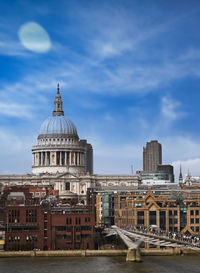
(171,264)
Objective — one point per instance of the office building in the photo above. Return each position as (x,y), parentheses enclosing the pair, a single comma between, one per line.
(152,156)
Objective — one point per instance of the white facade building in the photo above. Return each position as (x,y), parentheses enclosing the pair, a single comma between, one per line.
(62,160)
(59,149)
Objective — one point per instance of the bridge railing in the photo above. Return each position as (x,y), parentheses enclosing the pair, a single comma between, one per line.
(153,230)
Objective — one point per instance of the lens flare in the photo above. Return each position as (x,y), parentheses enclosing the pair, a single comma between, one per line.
(34,37)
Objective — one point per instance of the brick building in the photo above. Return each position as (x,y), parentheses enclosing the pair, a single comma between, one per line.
(172,210)
(72,227)
(47,225)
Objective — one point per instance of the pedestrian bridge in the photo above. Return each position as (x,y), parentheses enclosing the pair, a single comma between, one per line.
(134,238)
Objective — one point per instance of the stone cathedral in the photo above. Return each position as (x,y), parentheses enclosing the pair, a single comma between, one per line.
(64,161)
(59,149)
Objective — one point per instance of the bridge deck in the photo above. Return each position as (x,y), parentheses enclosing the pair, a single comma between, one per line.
(139,237)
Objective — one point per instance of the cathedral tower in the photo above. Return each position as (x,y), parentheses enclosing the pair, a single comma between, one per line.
(59,149)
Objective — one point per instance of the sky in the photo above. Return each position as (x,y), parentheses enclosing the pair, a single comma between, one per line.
(129,72)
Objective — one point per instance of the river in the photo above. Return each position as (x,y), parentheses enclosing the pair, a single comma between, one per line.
(168,264)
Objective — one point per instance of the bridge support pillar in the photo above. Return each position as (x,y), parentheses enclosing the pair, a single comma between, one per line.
(133,255)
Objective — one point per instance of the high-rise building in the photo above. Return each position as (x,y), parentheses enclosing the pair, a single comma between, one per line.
(152,156)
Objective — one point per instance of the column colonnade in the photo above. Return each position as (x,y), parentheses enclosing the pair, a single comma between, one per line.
(63,158)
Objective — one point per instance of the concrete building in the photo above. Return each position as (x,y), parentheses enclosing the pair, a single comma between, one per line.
(151,179)
(154,172)
(164,175)
(152,156)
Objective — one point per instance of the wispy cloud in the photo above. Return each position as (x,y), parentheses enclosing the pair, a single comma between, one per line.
(15,110)
(15,151)
(189,164)
(170,108)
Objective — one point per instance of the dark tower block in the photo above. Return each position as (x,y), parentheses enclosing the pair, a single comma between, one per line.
(152,156)
(89,155)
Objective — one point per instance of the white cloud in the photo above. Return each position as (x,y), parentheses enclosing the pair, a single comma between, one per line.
(190,164)
(15,153)
(11,47)
(181,149)
(15,110)
(177,148)
(170,108)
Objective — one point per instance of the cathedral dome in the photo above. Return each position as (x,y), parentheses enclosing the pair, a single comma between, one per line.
(58,125)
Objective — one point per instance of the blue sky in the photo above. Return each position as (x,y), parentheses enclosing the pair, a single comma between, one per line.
(129,72)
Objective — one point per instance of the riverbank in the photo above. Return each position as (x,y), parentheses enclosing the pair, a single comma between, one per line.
(90,253)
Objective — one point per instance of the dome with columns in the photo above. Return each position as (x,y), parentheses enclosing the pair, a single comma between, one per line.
(59,149)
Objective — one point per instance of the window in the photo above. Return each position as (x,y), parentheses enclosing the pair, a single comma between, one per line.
(86,228)
(175,221)
(77,246)
(197,212)
(78,228)
(191,212)
(192,220)
(69,221)
(175,213)
(67,186)
(60,228)
(87,219)
(69,246)
(197,220)
(31,216)
(69,229)
(140,216)
(78,220)
(170,213)
(14,216)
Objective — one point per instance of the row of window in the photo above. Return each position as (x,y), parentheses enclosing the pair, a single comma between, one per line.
(14,216)
(77,220)
(69,229)
(196,212)
(171,212)
(17,238)
(66,139)
(31,216)
(69,237)
(196,229)
(196,221)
